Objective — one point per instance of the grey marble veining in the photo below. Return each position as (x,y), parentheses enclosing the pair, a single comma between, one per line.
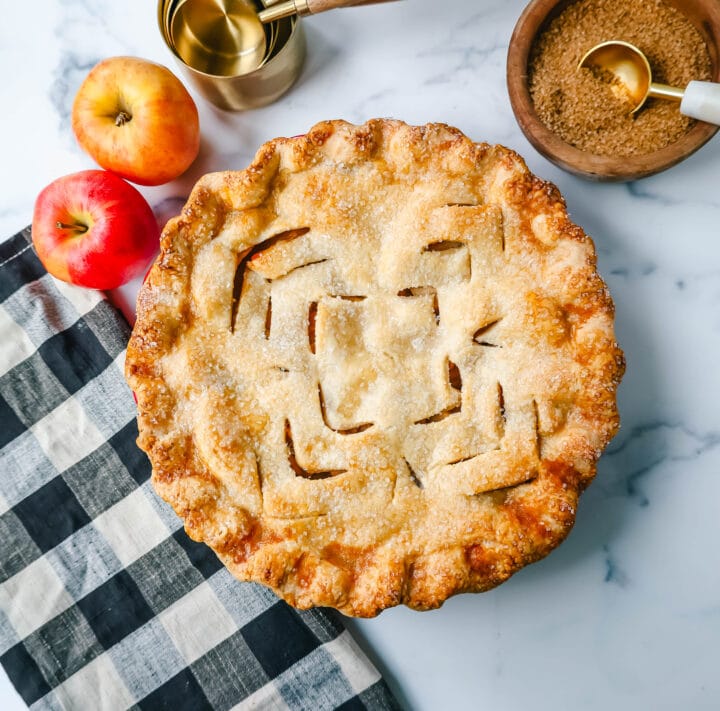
(626,613)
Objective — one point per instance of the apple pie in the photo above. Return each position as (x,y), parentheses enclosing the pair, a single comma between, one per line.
(377,367)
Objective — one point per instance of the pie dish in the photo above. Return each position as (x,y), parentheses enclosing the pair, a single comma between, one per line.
(377,367)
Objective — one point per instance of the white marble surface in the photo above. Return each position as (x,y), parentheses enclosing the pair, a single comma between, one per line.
(626,613)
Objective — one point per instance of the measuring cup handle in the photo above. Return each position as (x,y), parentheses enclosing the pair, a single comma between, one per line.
(702,101)
(315,6)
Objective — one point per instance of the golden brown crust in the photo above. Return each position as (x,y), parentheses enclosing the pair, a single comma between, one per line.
(376,367)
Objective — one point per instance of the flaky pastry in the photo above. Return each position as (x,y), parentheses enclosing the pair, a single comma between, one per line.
(376,367)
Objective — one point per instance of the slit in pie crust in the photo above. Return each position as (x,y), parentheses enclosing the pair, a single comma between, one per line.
(377,367)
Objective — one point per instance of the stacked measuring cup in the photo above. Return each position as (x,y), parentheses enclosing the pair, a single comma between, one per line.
(232,58)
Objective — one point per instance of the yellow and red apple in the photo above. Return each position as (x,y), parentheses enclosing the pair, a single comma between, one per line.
(93,229)
(136,119)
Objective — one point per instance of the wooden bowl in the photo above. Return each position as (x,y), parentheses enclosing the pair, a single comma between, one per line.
(705,16)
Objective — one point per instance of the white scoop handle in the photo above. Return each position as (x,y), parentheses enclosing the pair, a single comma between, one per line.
(702,101)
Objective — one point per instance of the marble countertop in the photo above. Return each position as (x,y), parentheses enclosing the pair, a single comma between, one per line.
(626,613)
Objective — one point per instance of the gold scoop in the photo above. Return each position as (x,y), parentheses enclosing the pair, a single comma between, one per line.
(227,38)
(700,99)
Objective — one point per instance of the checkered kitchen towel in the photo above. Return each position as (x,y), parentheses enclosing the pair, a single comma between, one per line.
(105,603)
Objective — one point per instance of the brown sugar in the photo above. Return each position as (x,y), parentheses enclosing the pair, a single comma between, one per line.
(590,112)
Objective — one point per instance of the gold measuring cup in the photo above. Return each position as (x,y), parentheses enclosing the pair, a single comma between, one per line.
(279,68)
(227,37)
(218,37)
(699,100)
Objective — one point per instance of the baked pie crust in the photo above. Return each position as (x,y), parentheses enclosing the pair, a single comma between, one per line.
(376,367)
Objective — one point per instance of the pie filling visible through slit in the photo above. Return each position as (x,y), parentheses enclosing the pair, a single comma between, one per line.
(376,367)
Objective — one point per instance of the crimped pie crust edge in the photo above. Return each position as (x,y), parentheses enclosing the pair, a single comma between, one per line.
(533,517)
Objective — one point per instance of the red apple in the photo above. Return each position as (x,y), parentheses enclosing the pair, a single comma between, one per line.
(136,119)
(93,229)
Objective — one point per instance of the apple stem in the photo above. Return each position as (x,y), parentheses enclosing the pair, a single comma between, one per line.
(78,227)
(122,118)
